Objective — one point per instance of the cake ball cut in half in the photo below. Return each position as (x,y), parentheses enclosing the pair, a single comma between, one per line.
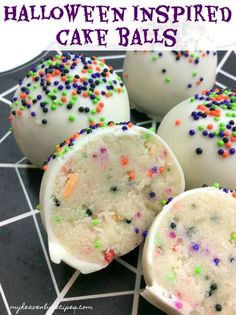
(202,133)
(189,257)
(157,81)
(101,191)
(62,95)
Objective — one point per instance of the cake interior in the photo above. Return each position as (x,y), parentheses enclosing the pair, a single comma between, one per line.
(108,192)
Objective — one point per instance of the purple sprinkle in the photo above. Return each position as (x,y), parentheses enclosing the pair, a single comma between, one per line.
(152,194)
(33,114)
(195,247)
(136,230)
(154,169)
(216,261)
(144,234)
(124,128)
(103,150)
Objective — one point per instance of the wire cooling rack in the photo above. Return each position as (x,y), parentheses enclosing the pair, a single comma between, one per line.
(28,279)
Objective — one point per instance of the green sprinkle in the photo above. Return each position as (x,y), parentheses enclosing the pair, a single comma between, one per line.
(97,243)
(216,185)
(201,128)
(57,219)
(102,118)
(38,207)
(171,277)
(194,74)
(233,236)
(72,117)
(95,222)
(154,57)
(91,119)
(53,107)
(64,93)
(198,270)
(167,79)
(163,202)
(93,111)
(220,143)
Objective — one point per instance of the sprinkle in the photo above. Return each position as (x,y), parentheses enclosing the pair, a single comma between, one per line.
(178,304)
(199,151)
(136,230)
(195,247)
(109,255)
(216,261)
(57,219)
(95,222)
(233,236)
(198,270)
(72,117)
(124,160)
(131,175)
(97,243)
(178,122)
(152,195)
(218,307)
(167,79)
(70,185)
(89,212)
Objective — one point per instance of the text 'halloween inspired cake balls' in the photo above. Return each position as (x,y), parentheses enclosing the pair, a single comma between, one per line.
(189,257)
(62,95)
(101,191)
(157,81)
(202,133)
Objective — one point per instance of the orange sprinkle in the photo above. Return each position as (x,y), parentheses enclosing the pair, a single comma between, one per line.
(85,94)
(98,109)
(178,122)
(225,154)
(101,104)
(234,194)
(125,75)
(131,175)
(57,72)
(98,69)
(45,167)
(228,145)
(70,185)
(83,70)
(130,124)
(63,78)
(19,112)
(23,95)
(63,99)
(233,139)
(226,133)
(97,92)
(210,126)
(10,118)
(162,169)
(124,160)
(119,90)
(74,92)
(107,94)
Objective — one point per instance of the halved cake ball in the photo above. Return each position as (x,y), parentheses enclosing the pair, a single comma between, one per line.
(62,95)
(202,133)
(101,191)
(156,81)
(189,257)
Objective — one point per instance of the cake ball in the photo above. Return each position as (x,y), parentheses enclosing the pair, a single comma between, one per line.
(101,191)
(189,257)
(157,81)
(202,133)
(62,95)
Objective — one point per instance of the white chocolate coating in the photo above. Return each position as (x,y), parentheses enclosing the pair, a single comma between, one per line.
(156,81)
(210,132)
(99,195)
(37,139)
(189,257)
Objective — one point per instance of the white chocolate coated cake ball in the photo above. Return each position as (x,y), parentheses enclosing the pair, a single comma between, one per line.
(62,95)
(202,133)
(189,258)
(157,81)
(101,191)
